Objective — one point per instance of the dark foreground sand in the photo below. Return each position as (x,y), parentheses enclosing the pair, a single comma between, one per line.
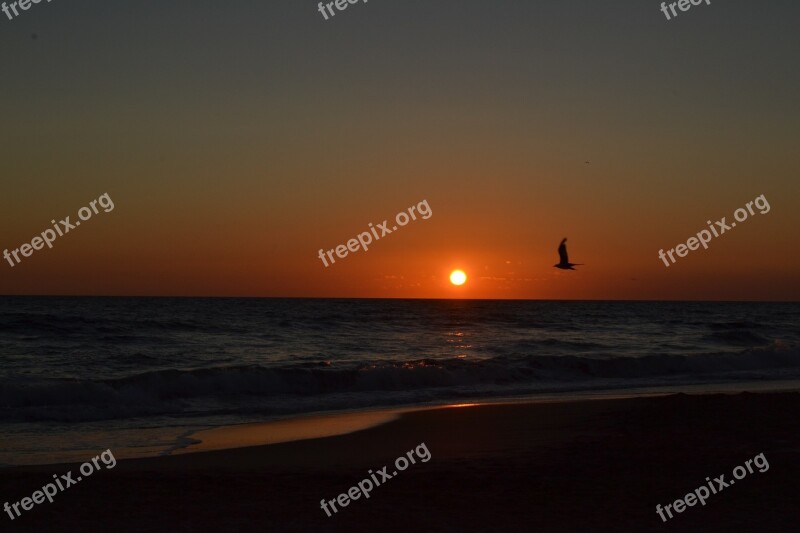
(583,466)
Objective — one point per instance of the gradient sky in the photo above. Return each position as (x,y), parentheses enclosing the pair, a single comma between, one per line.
(238,138)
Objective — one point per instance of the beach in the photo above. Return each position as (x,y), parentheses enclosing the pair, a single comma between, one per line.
(204,325)
(557,466)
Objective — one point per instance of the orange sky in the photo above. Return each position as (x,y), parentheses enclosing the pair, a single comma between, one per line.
(234,152)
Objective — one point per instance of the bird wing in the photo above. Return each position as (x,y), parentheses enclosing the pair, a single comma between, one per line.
(562,252)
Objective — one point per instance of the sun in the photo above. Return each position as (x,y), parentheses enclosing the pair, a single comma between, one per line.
(458,277)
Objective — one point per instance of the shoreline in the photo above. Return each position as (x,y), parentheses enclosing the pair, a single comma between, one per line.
(320,424)
(302,426)
(323,424)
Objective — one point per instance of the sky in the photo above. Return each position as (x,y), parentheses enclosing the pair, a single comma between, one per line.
(237,139)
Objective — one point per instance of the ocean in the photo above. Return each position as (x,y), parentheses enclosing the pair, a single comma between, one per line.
(141,375)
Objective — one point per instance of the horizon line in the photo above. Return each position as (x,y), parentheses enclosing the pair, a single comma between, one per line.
(386,298)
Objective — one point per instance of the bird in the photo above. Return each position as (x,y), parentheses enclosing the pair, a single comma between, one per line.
(564,263)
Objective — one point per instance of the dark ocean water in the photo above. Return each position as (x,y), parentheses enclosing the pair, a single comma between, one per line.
(143,373)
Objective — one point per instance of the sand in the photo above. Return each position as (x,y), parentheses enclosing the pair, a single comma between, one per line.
(599,465)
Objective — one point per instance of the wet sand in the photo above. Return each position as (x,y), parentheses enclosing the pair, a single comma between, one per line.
(599,465)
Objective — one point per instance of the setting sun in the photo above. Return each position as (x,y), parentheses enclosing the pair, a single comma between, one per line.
(458,277)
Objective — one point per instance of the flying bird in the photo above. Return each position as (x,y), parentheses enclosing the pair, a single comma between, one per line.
(564,263)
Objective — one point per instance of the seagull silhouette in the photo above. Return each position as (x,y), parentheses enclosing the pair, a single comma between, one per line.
(564,263)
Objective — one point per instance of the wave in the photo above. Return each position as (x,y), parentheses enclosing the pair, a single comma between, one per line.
(736,324)
(736,333)
(737,338)
(560,343)
(54,324)
(183,392)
